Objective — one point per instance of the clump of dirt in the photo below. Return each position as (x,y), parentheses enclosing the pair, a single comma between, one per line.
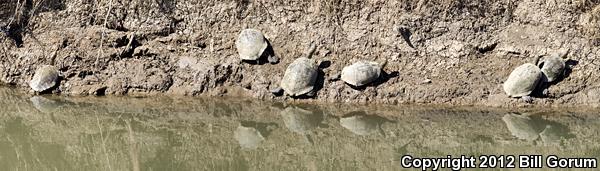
(438,52)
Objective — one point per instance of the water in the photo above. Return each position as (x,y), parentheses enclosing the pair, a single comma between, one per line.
(184,133)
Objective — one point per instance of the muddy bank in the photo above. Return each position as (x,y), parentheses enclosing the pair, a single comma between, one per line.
(465,49)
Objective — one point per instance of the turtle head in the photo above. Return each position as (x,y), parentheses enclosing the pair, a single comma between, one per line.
(311,49)
(562,53)
(536,60)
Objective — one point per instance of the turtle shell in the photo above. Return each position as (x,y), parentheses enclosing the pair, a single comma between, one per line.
(553,68)
(251,44)
(361,73)
(300,77)
(523,80)
(45,77)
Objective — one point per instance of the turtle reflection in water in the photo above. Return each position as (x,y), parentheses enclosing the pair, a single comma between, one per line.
(44,104)
(251,134)
(534,127)
(248,137)
(359,123)
(302,120)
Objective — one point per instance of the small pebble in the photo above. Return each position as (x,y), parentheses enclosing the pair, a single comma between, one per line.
(273,59)
(426,81)
(335,77)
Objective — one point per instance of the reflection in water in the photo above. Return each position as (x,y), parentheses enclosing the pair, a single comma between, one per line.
(362,124)
(44,104)
(301,120)
(166,133)
(522,127)
(534,128)
(250,134)
(19,148)
(248,137)
(554,132)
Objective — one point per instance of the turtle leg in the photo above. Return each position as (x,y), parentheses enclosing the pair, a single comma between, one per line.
(312,93)
(527,99)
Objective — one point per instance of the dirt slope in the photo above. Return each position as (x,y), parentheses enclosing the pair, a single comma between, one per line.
(466,48)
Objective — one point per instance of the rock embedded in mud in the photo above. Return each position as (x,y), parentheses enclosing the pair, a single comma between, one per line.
(141,51)
(361,73)
(522,81)
(185,62)
(45,77)
(251,44)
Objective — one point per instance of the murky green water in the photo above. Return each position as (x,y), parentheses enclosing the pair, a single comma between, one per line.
(170,133)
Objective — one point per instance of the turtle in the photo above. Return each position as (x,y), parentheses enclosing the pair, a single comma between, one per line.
(300,76)
(522,126)
(251,44)
(45,77)
(248,137)
(522,81)
(301,121)
(362,124)
(362,72)
(553,68)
